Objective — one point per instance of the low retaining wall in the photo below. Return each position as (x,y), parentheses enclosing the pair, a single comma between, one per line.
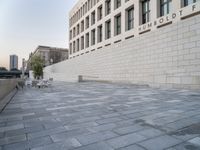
(7,90)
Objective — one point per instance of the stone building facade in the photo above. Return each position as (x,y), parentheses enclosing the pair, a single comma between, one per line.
(50,55)
(154,42)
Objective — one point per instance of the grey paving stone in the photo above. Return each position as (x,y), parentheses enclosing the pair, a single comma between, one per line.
(104,127)
(96,146)
(13,139)
(185,146)
(23,131)
(68,134)
(132,147)
(46,132)
(128,129)
(53,146)
(29,144)
(195,141)
(81,125)
(14,127)
(125,140)
(1,134)
(96,137)
(150,132)
(160,143)
(108,120)
(66,144)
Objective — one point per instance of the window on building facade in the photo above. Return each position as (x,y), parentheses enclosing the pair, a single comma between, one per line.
(77,45)
(70,49)
(89,5)
(93,18)
(165,7)
(100,34)
(108,29)
(82,26)
(100,12)
(83,11)
(188,2)
(87,22)
(87,40)
(117,3)
(82,42)
(74,47)
(118,24)
(74,32)
(108,7)
(93,37)
(70,35)
(130,18)
(145,11)
(86,7)
(78,29)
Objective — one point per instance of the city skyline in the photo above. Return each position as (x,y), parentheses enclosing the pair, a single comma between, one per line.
(26,24)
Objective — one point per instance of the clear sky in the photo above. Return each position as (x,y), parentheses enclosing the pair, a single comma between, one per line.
(25,24)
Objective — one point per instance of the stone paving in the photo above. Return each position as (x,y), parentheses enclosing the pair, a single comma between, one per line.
(97,116)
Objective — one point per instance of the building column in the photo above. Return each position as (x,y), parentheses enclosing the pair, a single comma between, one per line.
(137,13)
(123,22)
(176,5)
(154,9)
(112,20)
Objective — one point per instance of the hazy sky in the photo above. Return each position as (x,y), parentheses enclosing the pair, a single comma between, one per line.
(25,24)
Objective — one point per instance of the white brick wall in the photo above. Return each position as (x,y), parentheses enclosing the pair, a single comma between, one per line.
(169,56)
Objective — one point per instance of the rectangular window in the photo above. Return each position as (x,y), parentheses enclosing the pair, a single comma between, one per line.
(70,35)
(87,22)
(82,42)
(117,3)
(77,45)
(74,32)
(70,48)
(74,47)
(82,26)
(100,34)
(188,2)
(165,7)
(88,5)
(100,12)
(78,29)
(93,37)
(108,29)
(130,18)
(87,40)
(108,7)
(93,18)
(118,24)
(145,11)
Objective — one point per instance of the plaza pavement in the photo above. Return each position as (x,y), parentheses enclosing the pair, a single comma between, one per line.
(97,116)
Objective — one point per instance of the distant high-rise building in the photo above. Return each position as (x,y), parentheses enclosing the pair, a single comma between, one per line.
(13,62)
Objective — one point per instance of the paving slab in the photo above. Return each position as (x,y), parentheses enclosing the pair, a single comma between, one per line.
(29,144)
(160,143)
(96,146)
(101,116)
(125,140)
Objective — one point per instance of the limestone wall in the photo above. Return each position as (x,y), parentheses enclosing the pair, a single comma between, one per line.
(6,86)
(168,56)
